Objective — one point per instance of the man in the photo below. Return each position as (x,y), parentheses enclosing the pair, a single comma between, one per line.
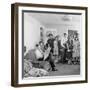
(50,42)
(64,46)
(64,40)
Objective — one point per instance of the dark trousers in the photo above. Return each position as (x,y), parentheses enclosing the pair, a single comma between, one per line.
(40,59)
(51,62)
(63,55)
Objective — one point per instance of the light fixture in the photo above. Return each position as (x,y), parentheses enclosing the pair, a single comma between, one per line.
(66,18)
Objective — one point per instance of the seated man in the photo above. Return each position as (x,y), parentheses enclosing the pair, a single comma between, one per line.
(35,55)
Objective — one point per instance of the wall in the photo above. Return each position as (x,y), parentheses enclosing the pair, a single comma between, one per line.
(31,31)
(63,28)
(60,25)
(5,45)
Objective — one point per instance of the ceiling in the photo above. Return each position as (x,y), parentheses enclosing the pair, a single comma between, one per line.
(56,19)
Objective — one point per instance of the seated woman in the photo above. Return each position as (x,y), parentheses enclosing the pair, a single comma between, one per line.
(43,54)
(39,51)
(47,51)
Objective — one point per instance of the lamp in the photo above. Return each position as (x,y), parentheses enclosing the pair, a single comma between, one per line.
(66,18)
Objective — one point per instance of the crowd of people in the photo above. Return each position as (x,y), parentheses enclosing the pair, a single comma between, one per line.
(46,56)
(56,50)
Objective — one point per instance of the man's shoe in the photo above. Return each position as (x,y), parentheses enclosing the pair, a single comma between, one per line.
(54,69)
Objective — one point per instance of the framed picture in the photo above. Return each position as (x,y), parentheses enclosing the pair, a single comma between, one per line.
(48,44)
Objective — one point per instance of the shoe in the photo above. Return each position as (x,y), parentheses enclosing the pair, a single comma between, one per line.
(54,69)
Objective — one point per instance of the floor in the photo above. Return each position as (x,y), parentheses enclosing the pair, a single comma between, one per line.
(64,69)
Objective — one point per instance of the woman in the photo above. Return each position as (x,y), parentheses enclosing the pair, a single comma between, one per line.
(55,46)
(40,51)
(76,50)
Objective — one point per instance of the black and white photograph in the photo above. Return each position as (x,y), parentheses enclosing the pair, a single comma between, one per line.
(50,44)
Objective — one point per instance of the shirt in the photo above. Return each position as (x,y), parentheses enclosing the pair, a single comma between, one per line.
(39,53)
(63,41)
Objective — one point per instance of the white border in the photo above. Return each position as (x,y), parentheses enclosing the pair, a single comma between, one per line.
(54,78)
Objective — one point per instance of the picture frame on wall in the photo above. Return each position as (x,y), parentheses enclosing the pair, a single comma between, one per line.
(48,44)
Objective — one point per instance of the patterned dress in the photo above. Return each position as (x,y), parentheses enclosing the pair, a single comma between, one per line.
(55,48)
(76,48)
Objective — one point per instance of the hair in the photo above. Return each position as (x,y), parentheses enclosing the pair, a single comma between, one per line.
(40,42)
(50,34)
(65,34)
(56,36)
(41,28)
(46,46)
(36,45)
